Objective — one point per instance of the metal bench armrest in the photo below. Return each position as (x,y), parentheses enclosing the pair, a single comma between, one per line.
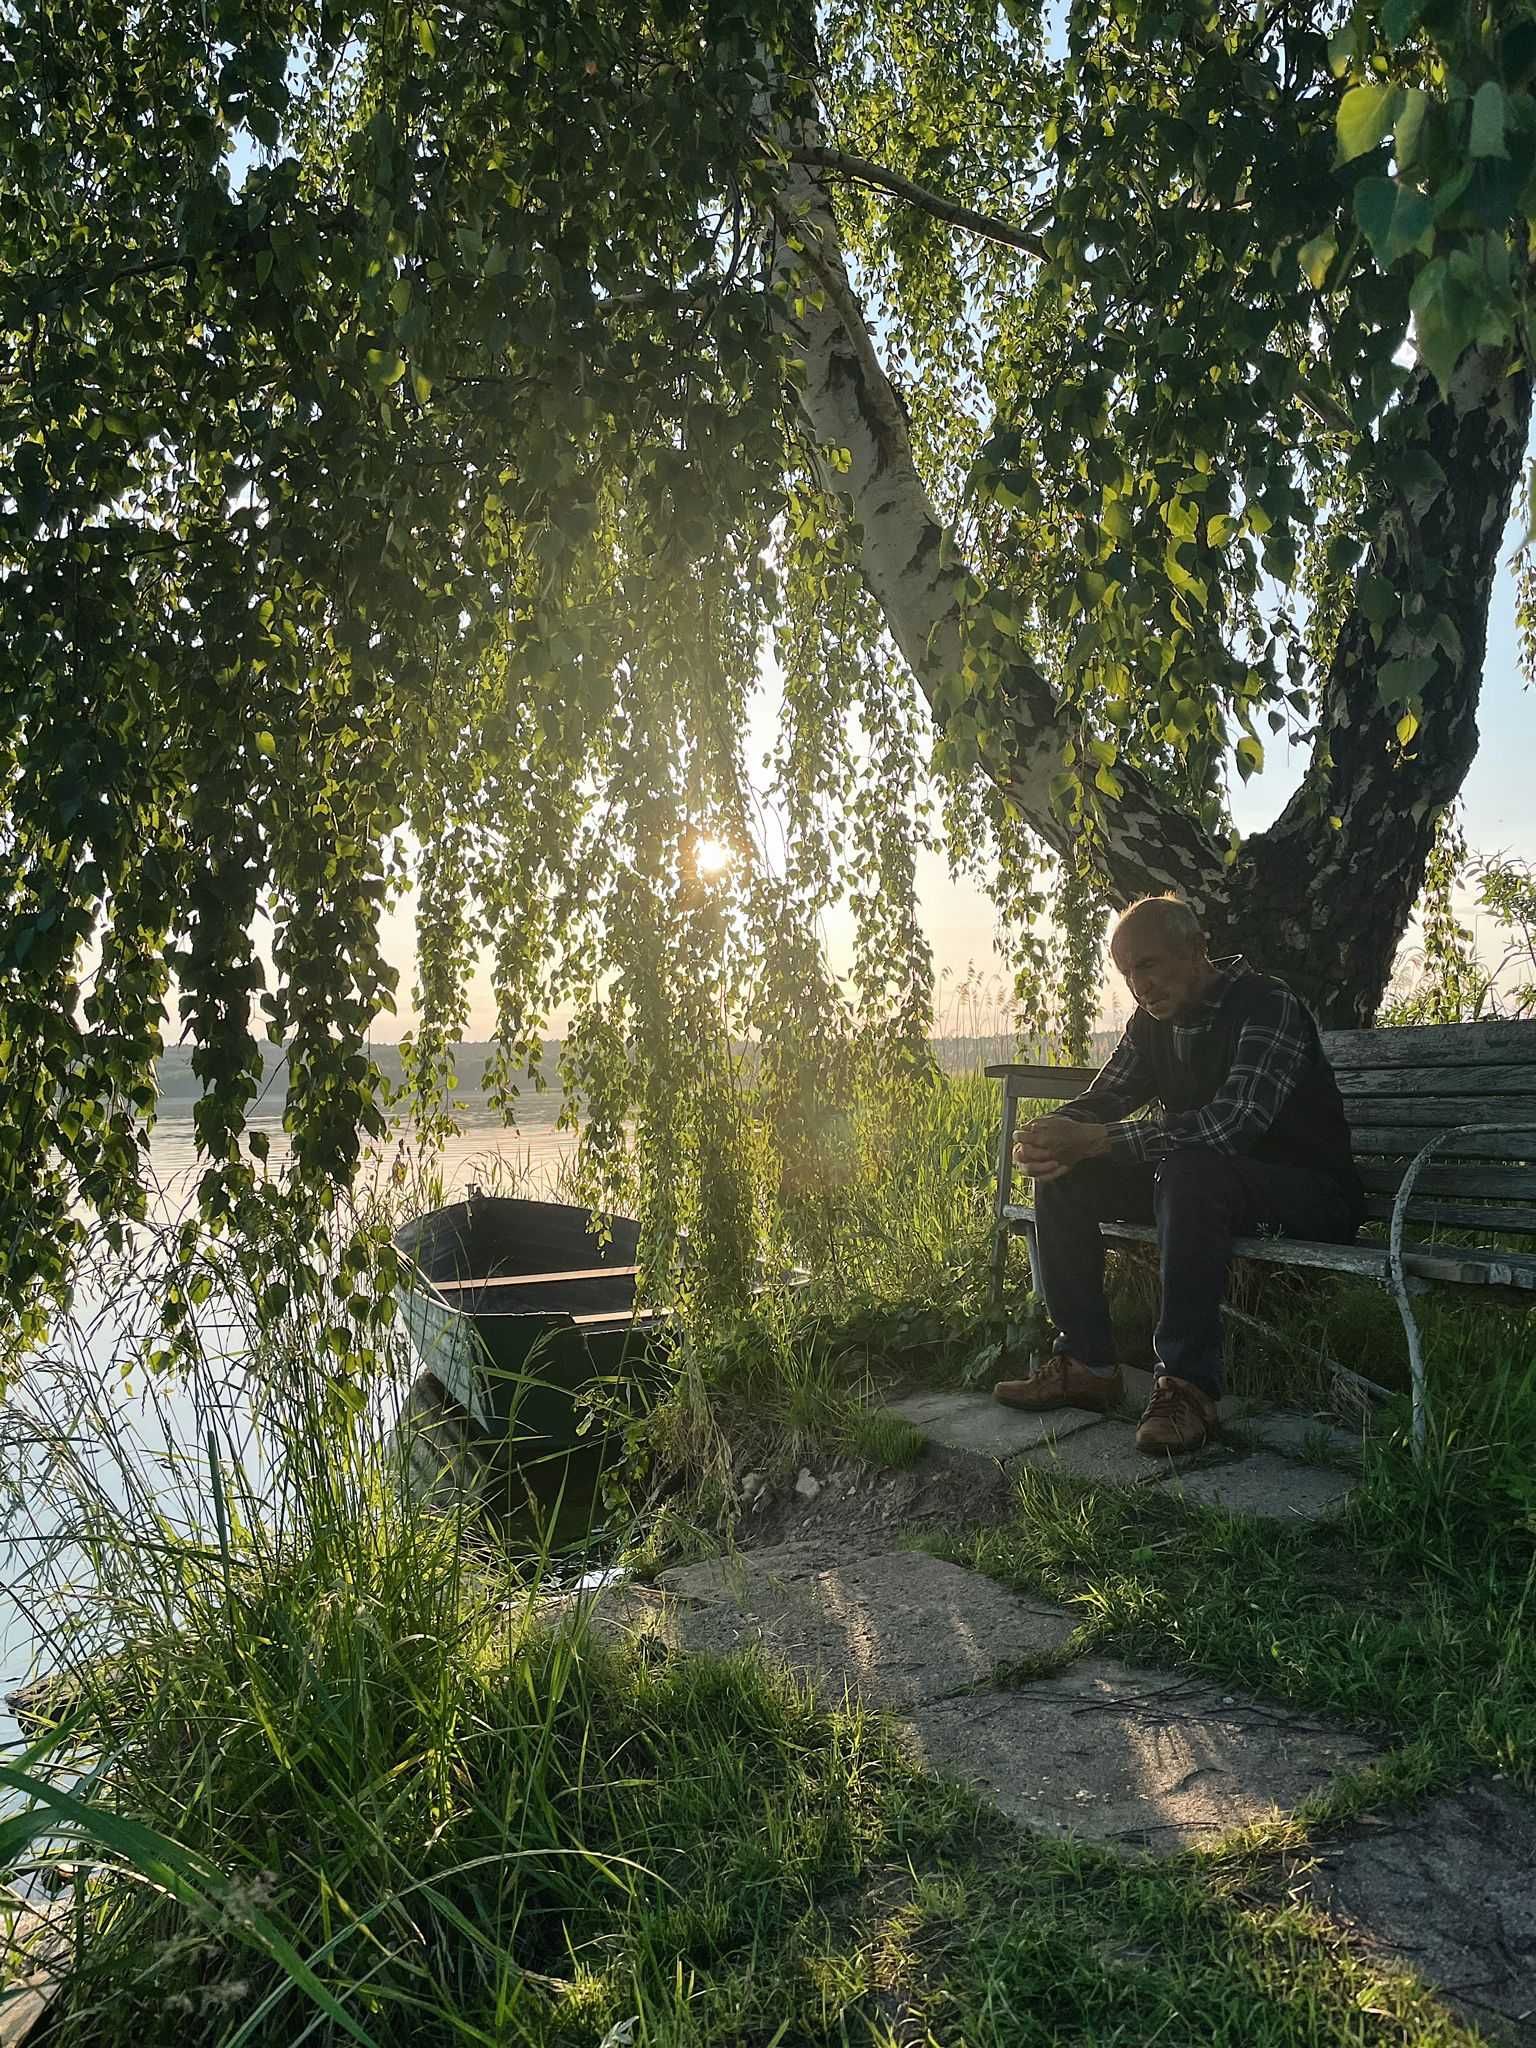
(1396,1271)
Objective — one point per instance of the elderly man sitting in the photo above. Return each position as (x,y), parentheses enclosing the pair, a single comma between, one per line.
(1249,1136)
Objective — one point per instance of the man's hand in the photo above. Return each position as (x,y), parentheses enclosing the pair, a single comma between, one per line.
(1048,1146)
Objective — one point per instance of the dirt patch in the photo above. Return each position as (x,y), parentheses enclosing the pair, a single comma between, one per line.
(862,1511)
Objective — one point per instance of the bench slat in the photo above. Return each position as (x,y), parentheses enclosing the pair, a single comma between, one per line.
(1517,1079)
(1404,1141)
(1433,1112)
(1462,1045)
(1446,1263)
(1455,1215)
(1044,1084)
(1489,1181)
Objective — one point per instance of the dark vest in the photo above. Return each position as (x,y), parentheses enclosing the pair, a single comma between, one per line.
(1309,1130)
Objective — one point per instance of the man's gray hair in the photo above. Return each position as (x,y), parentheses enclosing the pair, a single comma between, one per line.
(1172,913)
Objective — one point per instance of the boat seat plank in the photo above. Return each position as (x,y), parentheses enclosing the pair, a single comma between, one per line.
(503,1280)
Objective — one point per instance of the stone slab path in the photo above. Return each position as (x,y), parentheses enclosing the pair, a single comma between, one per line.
(982,1685)
(896,1630)
(985,1687)
(1255,1469)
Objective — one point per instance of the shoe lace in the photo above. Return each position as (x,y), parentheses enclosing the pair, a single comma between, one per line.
(1166,1398)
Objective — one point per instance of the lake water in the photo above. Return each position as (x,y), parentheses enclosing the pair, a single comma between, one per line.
(128,1438)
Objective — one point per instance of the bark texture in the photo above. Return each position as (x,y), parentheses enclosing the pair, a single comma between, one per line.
(1325,905)
(1321,898)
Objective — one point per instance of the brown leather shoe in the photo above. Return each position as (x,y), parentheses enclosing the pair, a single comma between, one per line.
(1061,1382)
(1178,1417)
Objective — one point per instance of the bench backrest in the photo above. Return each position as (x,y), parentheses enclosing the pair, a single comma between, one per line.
(1401,1086)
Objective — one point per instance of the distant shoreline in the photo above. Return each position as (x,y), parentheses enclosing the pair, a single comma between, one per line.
(178,1086)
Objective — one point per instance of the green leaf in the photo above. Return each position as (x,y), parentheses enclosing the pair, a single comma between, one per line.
(1444,319)
(1397,681)
(1220,529)
(1365,114)
(1409,127)
(1399,18)
(1316,258)
(1377,598)
(1395,219)
(426,35)
(1250,756)
(1186,716)
(1407,726)
(1116,520)
(266,744)
(383,367)
(1489,113)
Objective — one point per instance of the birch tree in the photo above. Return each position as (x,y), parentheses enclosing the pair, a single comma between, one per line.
(419,423)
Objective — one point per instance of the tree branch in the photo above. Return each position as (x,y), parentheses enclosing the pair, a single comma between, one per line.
(864,171)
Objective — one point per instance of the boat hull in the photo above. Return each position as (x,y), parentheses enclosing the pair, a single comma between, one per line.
(522,1316)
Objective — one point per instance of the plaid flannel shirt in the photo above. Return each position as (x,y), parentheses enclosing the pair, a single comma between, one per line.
(1272,1049)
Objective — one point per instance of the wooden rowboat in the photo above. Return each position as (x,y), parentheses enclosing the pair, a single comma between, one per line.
(518,1312)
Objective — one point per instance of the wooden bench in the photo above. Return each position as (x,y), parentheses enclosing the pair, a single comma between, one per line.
(1443,1119)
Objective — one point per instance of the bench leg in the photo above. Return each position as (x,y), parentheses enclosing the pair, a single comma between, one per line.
(1403,1292)
(1032,1247)
(1004,1195)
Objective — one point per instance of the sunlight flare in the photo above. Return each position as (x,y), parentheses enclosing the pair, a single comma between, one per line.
(712,856)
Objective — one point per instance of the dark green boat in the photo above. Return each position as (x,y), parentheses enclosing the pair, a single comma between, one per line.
(519,1312)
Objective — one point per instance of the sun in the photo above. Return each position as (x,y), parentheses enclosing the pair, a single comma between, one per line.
(712,856)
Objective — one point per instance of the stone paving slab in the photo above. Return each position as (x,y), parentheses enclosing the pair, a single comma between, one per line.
(975,1422)
(1270,1487)
(1299,1436)
(730,1577)
(1106,1454)
(1138,1387)
(896,1629)
(1133,1759)
(1448,1891)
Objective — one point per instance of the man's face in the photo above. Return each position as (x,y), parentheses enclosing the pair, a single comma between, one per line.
(1165,973)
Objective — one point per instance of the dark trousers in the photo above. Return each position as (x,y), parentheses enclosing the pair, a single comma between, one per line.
(1199,1201)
